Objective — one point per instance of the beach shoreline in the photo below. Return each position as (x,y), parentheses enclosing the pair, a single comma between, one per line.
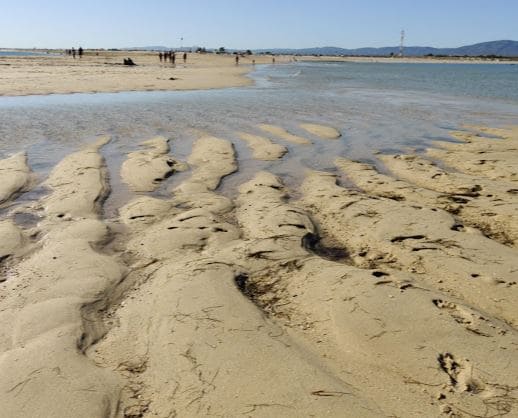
(103,72)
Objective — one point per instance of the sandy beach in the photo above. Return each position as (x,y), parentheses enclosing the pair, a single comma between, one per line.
(102,71)
(391,295)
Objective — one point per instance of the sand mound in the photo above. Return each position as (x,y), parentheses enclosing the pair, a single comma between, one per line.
(263,148)
(322,131)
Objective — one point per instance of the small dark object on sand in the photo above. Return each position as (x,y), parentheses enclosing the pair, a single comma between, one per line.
(128,61)
(172,78)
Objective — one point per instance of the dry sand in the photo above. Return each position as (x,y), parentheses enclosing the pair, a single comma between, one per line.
(21,76)
(393,297)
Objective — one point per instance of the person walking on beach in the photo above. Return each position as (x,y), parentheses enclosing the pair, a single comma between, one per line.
(80,52)
(160,56)
(173,58)
(237,59)
(184,57)
(74,53)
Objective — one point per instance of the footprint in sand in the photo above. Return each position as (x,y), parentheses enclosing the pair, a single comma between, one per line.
(461,373)
(469,319)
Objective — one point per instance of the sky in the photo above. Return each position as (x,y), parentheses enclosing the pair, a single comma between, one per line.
(254,24)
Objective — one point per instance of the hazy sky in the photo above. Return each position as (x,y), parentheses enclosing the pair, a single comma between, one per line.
(254,23)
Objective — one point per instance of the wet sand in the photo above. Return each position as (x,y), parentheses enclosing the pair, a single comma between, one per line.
(389,294)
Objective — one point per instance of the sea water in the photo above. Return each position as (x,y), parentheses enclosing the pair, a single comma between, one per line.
(378,107)
(10,53)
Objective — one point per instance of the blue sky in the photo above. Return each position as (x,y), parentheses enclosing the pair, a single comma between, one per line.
(254,23)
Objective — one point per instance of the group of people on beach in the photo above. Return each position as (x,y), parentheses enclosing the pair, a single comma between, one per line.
(171,56)
(72,52)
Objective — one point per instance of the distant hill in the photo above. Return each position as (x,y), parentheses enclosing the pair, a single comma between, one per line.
(500,48)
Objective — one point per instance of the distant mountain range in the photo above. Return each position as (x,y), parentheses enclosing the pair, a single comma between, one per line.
(499,48)
(503,48)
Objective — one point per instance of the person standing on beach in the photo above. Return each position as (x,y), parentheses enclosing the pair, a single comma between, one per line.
(160,56)
(74,53)
(173,58)
(184,57)
(237,59)
(80,52)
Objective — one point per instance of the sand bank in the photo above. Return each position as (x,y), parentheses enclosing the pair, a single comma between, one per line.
(324,132)
(379,299)
(263,148)
(105,73)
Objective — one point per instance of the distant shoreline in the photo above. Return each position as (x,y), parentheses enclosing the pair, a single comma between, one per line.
(303,57)
(408,60)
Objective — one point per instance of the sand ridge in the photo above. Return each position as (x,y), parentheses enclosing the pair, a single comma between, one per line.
(14,176)
(282,133)
(263,148)
(490,204)
(12,238)
(322,131)
(382,299)
(211,324)
(48,322)
(145,169)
